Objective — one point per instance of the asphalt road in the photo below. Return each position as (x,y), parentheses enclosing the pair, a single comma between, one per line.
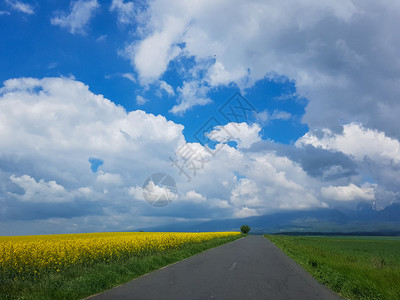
(248,268)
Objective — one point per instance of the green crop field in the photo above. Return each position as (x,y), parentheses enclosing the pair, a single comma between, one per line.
(354,267)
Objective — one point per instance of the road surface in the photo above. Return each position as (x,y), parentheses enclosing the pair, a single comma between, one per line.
(248,268)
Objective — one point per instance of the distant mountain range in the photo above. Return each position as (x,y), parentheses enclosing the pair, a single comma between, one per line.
(364,219)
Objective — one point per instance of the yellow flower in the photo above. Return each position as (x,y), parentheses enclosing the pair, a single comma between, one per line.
(32,255)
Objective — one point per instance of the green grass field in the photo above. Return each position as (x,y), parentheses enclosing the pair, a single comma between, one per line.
(354,267)
(78,282)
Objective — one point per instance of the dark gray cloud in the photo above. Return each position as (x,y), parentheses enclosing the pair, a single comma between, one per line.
(326,165)
(27,211)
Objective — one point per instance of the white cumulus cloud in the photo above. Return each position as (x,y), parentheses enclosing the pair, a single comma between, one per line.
(167,88)
(41,191)
(21,6)
(125,10)
(342,55)
(194,197)
(192,93)
(140,100)
(349,193)
(50,128)
(81,13)
(357,141)
(242,133)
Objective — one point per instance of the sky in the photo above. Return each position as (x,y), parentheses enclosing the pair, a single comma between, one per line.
(246,108)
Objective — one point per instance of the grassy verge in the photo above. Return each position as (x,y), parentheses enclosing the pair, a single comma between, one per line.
(82,281)
(355,268)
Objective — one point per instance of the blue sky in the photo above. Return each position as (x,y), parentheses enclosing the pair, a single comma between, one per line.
(35,48)
(98,95)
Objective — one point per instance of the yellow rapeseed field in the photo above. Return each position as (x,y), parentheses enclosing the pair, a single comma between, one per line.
(29,256)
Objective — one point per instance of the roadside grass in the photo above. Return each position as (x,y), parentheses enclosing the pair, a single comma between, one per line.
(82,281)
(355,268)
